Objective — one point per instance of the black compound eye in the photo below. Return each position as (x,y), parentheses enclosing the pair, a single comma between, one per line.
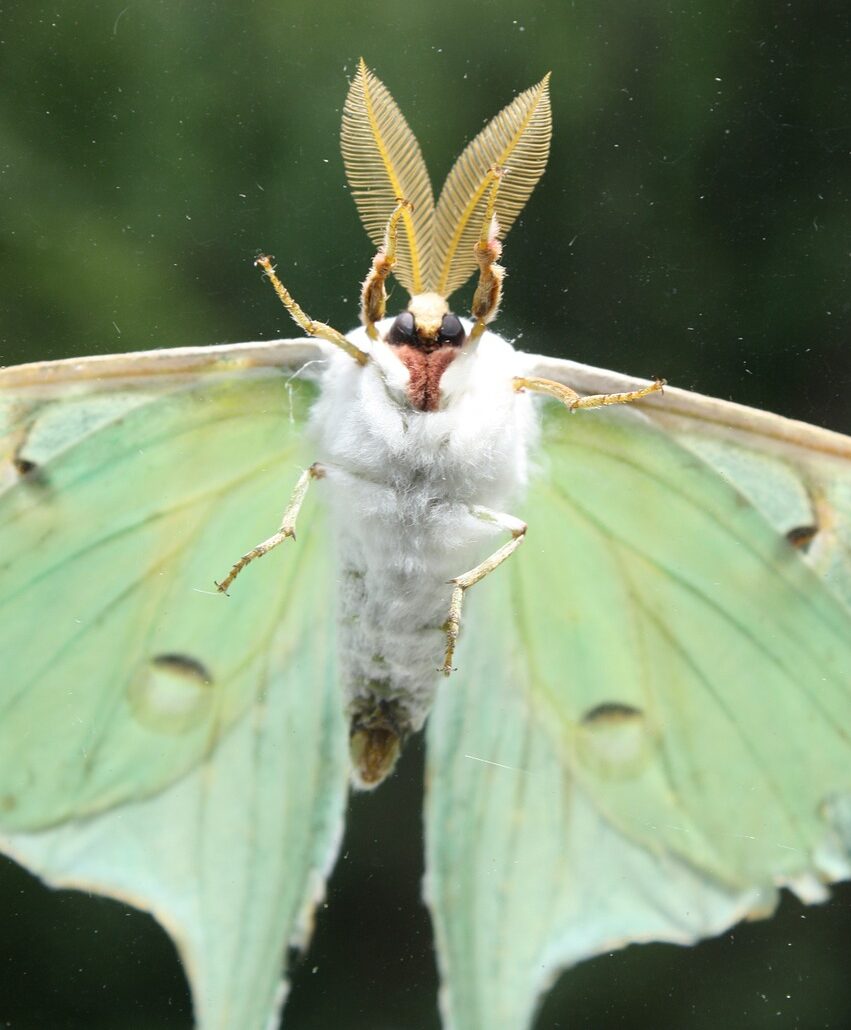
(451,331)
(403,329)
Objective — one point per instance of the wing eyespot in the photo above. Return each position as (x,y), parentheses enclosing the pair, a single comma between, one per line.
(27,470)
(613,740)
(184,665)
(28,473)
(801,537)
(23,466)
(610,713)
(171,694)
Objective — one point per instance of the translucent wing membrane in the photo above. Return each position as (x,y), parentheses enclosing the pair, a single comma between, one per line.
(159,742)
(126,506)
(384,163)
(796,474)
(517,140)
(232,858)
(655,773)
(525,875)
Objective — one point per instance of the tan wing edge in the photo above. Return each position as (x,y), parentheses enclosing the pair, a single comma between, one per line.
(684,410)
(175,361)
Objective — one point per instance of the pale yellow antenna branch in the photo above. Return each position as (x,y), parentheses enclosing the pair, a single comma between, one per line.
(517,140)
(383,162)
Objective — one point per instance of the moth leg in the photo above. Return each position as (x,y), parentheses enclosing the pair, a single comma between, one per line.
(488,251)
(573,400)
(517,529)
(320,329)
(287,529)
(373,298)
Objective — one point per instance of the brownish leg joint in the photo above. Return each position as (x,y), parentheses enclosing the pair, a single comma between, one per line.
(488,251)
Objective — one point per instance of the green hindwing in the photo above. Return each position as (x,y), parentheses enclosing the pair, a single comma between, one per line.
(661,738)
(161,743)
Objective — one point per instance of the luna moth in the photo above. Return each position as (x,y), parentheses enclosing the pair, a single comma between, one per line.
(625,613)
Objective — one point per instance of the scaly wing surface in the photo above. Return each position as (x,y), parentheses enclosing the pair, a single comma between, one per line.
(651,734)
(177,749)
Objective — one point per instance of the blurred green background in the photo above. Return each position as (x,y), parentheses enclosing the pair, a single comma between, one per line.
(694,223)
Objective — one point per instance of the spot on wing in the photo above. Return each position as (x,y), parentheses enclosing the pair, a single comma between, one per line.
(23,465)
(800,537)
(26,470)
(610,712)
(171,694)
(613,740)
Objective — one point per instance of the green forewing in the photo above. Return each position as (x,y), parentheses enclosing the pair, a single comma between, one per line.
(667,711)
(798,497)
(122,665)
(159,742)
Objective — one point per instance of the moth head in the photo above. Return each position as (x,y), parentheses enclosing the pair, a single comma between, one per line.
(427,323)
(433,248)
(425,339)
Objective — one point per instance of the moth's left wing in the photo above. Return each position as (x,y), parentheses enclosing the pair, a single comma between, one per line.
(797,475)
(649,732)
(161,743)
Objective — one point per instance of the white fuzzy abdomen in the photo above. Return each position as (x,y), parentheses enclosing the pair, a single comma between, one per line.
(403,487)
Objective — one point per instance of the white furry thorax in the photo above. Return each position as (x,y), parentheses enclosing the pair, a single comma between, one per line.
(401,484)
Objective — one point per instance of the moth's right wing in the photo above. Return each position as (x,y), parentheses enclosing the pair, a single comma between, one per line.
(128,485)
(159,743)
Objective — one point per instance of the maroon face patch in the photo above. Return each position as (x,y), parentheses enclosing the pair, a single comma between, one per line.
(425,368)
(425,357)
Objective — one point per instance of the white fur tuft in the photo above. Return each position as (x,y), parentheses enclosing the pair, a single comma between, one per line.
(401,484)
